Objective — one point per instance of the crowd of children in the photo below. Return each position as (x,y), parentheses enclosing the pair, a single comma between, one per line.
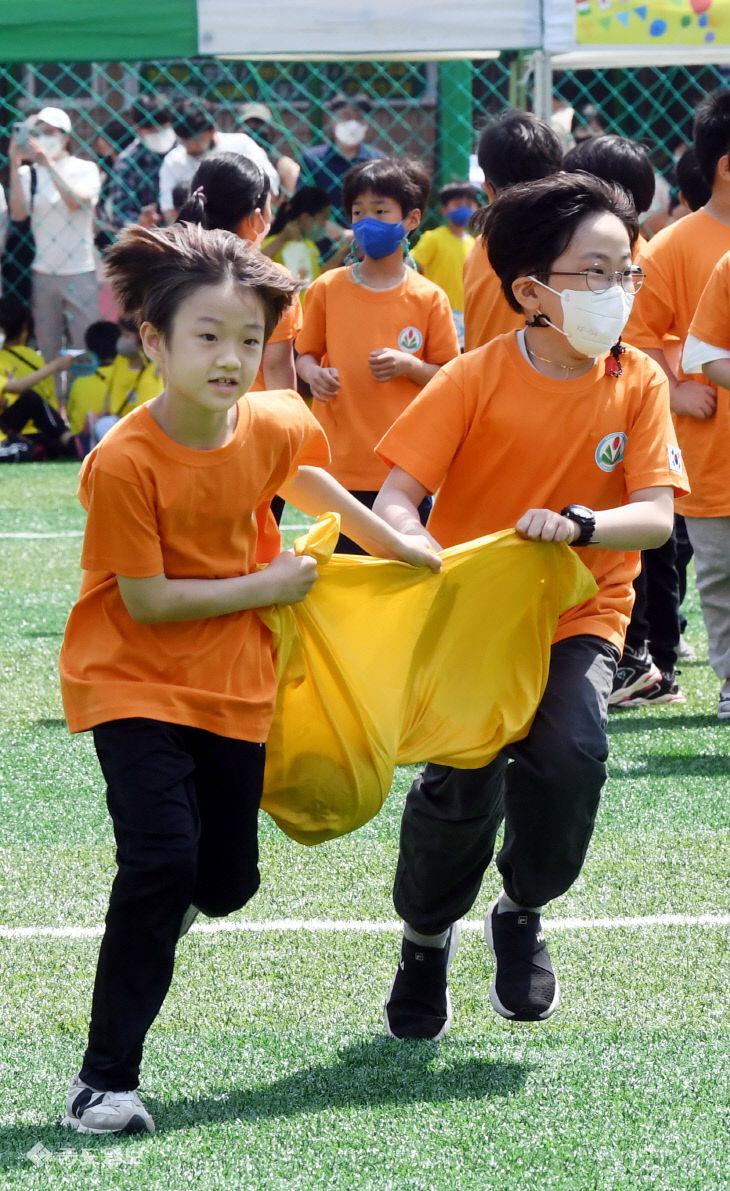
(519,367)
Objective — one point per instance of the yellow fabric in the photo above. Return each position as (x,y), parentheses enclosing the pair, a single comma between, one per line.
(385,664)
(19,363)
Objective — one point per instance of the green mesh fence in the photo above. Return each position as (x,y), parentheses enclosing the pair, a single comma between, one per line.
(430,109)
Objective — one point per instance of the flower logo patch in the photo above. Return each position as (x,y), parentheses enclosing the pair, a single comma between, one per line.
(410,339)
(610,450)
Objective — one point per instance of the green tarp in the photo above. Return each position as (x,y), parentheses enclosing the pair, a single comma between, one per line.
(97,30)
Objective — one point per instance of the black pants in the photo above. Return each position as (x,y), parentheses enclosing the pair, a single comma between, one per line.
(184,804)
(655,616)
(346,545)
(49,425)
(546,787)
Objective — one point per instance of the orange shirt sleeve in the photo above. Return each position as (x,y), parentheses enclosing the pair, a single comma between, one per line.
(312,339)
(289,325)
(711,322)
(122,534)
(442,342)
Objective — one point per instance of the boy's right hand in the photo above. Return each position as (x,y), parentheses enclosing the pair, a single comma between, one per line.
(324,383)
(292,577)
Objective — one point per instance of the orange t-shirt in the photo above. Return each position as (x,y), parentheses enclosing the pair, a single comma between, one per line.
(678,262)
(487,313)
(287,328)
(343,323)
(155,507)
(494,438)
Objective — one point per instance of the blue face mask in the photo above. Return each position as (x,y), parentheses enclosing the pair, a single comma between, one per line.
(377,238)
(460,215)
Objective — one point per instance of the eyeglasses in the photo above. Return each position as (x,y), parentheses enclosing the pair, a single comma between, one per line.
(598,280)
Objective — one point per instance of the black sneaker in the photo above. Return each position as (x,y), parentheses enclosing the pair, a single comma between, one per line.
(635,673)
(525,988)
(664,690)
(418,1004)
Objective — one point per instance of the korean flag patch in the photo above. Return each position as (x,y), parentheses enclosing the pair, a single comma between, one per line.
(674,458)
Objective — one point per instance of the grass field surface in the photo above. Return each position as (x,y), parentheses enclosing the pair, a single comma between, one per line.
(268,1067)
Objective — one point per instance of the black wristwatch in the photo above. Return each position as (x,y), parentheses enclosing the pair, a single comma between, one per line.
(585,518)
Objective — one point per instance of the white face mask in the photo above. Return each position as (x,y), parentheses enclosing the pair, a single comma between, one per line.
(592,322)
(158,140)
(53,143)
(350,132)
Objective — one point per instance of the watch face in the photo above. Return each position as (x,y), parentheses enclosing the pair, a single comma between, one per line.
(581,511)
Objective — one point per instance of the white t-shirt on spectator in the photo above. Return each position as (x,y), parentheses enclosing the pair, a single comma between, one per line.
(64,238)
(178,167)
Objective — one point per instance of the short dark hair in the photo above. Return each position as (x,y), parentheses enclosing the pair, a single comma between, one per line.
(232,188)
(308,200)
(517,147)
(15,317)
(403,179)
(193,116)
(531,224)
(691,181)
(154,270)
(342,99)
(616,159)
(457,190)
(101,338)
(117,133)
(711,132)
(150,111)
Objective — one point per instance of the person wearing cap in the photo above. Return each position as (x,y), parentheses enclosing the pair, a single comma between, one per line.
(258,121)
(134,195)
(326,165)
(59,192)
(194,125)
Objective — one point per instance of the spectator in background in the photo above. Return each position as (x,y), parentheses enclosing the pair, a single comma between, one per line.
(109,143)
(61,210)
(586,122)
(518,147)
(441,252)
(326,165)
(298,225)
(134,191)
(194,125)
(258,121)
(88,393)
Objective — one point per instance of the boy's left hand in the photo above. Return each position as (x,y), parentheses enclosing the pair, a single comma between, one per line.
(544,525)
(386,363)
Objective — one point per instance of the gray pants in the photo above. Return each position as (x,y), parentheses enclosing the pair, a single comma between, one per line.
(67,303)
(546,787)
(710,538)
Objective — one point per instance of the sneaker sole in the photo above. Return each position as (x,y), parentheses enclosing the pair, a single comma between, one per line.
(494,999)
(133,1127)
(642,683)
(453,946)
(640,700)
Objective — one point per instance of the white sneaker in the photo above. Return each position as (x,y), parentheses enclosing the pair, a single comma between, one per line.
(91,1111)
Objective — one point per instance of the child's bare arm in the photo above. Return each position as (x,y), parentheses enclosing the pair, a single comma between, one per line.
(689,398)
(278,365)
(387,362)
(324,382)
(718,371)
(398,501)
(642,524)
(156,599)
(19,384)
(315,491)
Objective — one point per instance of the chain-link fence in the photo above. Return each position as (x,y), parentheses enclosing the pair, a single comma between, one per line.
(430,109)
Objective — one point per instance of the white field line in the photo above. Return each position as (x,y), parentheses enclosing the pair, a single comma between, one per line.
(358,926)
(79,533)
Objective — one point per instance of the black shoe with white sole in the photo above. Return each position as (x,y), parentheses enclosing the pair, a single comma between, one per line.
(418,1004)
(525,988)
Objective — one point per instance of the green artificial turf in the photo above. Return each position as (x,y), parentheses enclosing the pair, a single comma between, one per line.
(268,1066)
